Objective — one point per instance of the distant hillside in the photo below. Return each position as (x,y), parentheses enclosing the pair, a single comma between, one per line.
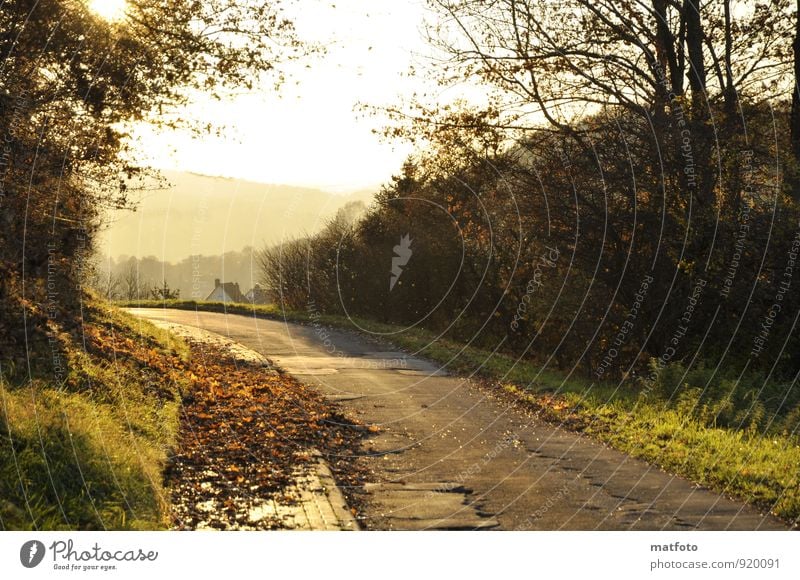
(213,215)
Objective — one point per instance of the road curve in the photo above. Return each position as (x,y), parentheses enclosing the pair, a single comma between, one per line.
(450,456)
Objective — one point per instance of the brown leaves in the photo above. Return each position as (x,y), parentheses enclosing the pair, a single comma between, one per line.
(245,431)
(112,343)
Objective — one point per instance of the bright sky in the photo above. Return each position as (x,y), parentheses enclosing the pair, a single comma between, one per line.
(310,134)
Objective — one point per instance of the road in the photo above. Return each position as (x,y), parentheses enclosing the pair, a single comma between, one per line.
(451,456)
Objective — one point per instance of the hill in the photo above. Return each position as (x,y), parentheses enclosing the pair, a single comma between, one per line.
(207,215)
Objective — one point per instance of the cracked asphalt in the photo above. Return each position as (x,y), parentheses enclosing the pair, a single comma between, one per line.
(449,455)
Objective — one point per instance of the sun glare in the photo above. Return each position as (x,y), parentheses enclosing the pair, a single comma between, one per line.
(111,10)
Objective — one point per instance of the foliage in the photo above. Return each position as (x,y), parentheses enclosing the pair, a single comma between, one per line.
(618,197)
(246,432)
(71,87)
(164,292)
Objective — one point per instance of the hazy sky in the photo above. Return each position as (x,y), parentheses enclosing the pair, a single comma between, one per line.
(310,135)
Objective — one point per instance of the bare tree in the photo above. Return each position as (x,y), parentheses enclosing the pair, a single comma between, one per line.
(132,286)
(572,57)
(105,282)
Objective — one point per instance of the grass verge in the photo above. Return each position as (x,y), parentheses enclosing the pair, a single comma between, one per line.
(753,457)
(87,430)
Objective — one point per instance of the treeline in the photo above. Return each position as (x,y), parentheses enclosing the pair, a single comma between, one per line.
(655,226)
(536,250)
(132,278)
(192,278)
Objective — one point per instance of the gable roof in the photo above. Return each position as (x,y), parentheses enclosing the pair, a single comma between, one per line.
(226,292)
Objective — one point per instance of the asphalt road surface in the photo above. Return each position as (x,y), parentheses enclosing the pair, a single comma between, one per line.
(451,456)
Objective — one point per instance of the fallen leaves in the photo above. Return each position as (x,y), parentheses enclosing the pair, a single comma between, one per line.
(246,429)
(163,369)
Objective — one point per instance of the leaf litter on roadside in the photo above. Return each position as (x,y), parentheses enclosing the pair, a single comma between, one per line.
(246,432)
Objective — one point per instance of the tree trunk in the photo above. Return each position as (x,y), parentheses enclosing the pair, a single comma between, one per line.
(730,89)
(665,48)
(698,168)
(694,48)
(795,120)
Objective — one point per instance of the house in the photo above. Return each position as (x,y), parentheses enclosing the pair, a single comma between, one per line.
(259,295)
(226,292)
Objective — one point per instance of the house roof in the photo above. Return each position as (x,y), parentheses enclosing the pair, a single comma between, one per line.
(226,292)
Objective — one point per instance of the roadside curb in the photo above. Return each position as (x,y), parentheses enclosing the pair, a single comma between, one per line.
(334,495)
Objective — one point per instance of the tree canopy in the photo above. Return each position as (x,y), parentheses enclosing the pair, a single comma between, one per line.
(71,86)
(617,200)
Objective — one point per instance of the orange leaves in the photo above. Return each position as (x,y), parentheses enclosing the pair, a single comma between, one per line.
(556,403)
(111,343)
(245,430)
(303,456)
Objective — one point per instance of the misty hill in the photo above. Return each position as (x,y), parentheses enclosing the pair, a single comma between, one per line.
(202,215)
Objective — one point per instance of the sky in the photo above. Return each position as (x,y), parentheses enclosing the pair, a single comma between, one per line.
(309,134)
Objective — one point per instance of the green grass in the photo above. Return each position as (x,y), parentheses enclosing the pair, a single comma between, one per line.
(88,452)
(732,448)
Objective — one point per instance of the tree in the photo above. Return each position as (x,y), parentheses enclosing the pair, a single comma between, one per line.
(637,138)
(581,52)
(72,85)
(164,292)
(133,287)
(795,111)
(104,281)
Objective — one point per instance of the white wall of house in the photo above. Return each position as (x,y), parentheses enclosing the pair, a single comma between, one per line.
(219,295)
